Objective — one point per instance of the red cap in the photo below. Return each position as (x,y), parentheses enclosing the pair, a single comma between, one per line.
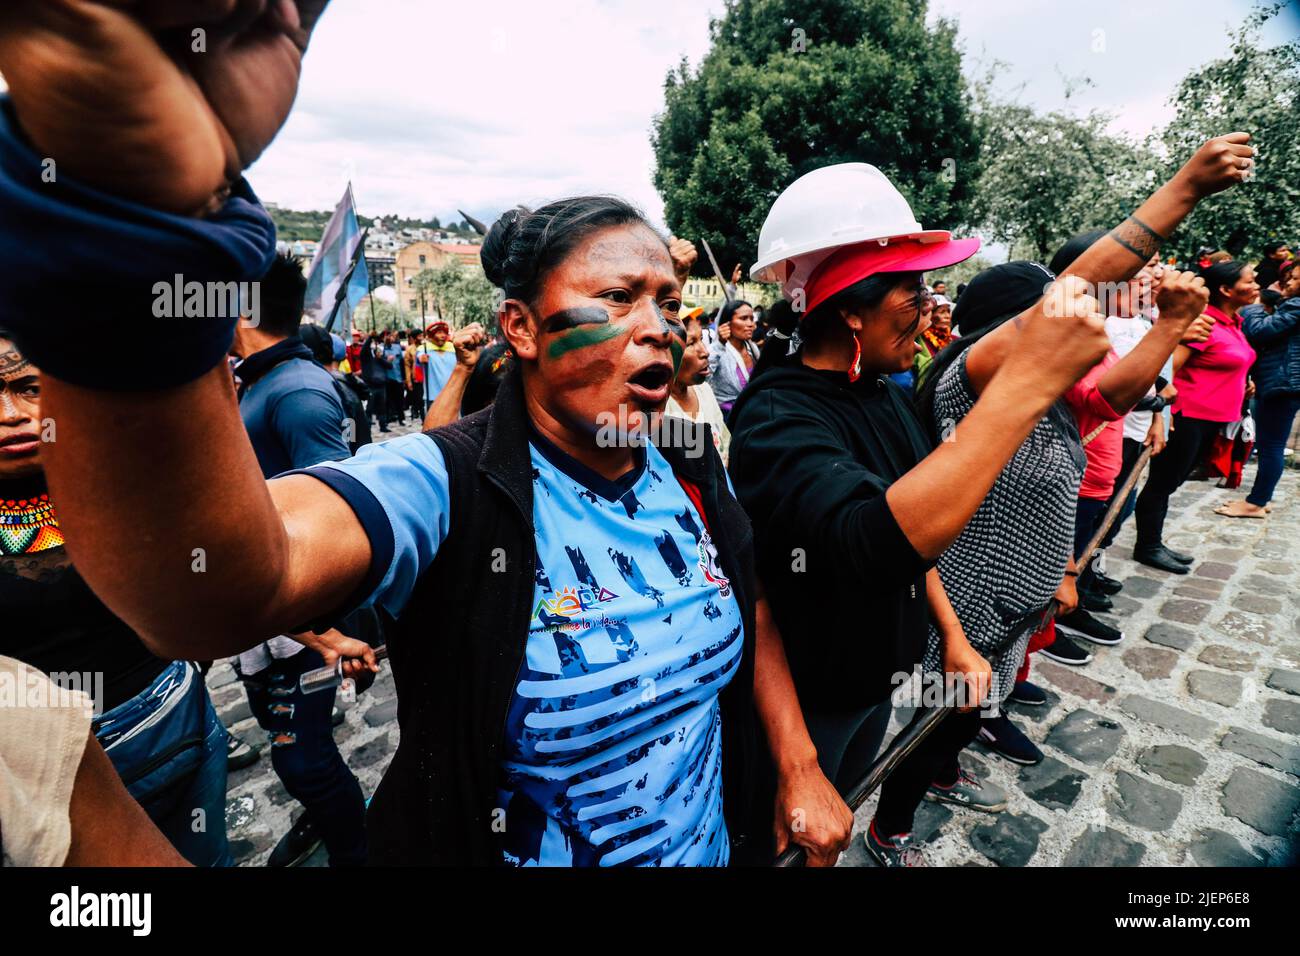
(436,326)
(854,263)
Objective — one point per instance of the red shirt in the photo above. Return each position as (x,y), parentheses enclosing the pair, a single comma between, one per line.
(1102,430)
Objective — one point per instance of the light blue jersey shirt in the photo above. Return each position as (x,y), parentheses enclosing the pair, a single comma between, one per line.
(612,750)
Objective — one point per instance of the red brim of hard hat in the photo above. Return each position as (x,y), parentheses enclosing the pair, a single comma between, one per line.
(437,327)
(854,263)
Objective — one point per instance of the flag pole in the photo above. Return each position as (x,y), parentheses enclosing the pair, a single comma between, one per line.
(341,296)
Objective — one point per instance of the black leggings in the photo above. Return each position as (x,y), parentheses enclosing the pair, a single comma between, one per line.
(1188,443)
(934,760)
(847,742)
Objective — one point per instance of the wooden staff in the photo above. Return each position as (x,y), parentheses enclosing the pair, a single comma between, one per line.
(910,737)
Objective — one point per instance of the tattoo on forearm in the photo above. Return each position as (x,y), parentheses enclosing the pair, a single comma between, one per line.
(1137,237)
(11,363)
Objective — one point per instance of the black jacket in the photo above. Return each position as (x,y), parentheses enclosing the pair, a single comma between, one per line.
(458,647)
(811,458)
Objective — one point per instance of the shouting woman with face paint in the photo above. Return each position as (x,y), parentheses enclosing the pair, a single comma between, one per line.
(578,639)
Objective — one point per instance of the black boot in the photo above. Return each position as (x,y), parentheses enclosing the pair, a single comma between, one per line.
(1159,557)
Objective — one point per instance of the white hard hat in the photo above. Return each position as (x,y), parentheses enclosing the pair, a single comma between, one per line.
(834,207)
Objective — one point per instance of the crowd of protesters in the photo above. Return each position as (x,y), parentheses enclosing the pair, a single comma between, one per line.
(666,647)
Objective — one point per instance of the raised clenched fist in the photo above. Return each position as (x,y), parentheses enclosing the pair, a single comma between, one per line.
(160,102)
(1181,296)
(1221,162)
(1062,337)
(468,342)
(683,253)
(1198,330)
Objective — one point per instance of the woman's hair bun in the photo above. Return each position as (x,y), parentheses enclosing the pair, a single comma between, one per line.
(495,254)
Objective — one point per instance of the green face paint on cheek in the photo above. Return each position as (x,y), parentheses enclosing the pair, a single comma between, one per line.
(677,350)
(585,336)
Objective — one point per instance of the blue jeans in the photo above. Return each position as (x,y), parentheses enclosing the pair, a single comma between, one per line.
(1273,418)
(304,754)
(169,748)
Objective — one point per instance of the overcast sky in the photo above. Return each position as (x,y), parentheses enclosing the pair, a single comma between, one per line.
(430,107)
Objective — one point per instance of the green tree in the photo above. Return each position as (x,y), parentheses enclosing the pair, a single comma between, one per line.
(1046,177)
(460,295)
(1255,89)
(384,315)
(789,86)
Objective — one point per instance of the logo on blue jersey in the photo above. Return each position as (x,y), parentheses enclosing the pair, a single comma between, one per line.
(709,565)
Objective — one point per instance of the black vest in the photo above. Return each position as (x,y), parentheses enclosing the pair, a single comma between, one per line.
(458,647)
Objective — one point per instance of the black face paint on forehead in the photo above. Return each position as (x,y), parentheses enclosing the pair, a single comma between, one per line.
(567,319)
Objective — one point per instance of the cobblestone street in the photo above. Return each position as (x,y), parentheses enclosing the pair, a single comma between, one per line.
(1177,747)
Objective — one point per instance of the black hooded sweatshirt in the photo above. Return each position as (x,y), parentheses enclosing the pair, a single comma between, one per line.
(811,458)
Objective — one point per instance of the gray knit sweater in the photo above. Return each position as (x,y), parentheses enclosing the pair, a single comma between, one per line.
(1007,563)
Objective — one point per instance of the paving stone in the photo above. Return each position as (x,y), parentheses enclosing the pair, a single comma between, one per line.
(371,752)
(1269,751)
(1087,737)
(929,820)
(1249,627)
(1036,714)
(1224,689)
(240,811)
(1203,584)
(246,848)
(1288,681)
(221,677)
(1227,555)
(1229,658)
(1263,585)
(1010,840)
(1169,635)
(236,712)
(1283,715)
(1172,762)
(1140,587)
(225,696)
(381,713)
(1124,606)
(1290,653)
(1216,848)
(1257,604)
(1151,662)
(1104,847)
(1261,802)
(277,795)
(1277,568)
(1170,718)
(1143,803)
(1214,569)
(1184,611)
(1052,783)
(1193,590)
(1070,680)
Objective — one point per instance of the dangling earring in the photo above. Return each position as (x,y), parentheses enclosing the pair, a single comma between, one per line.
(855,370)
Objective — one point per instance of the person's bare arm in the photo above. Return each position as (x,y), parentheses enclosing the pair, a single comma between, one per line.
(1117,256)
(961,662)
(468,342)
(446,407)
(108,827)
(1063,338)
(808,808)
(1182,297)
(169,519)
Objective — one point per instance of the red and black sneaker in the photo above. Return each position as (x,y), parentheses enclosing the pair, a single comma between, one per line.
(898,850)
